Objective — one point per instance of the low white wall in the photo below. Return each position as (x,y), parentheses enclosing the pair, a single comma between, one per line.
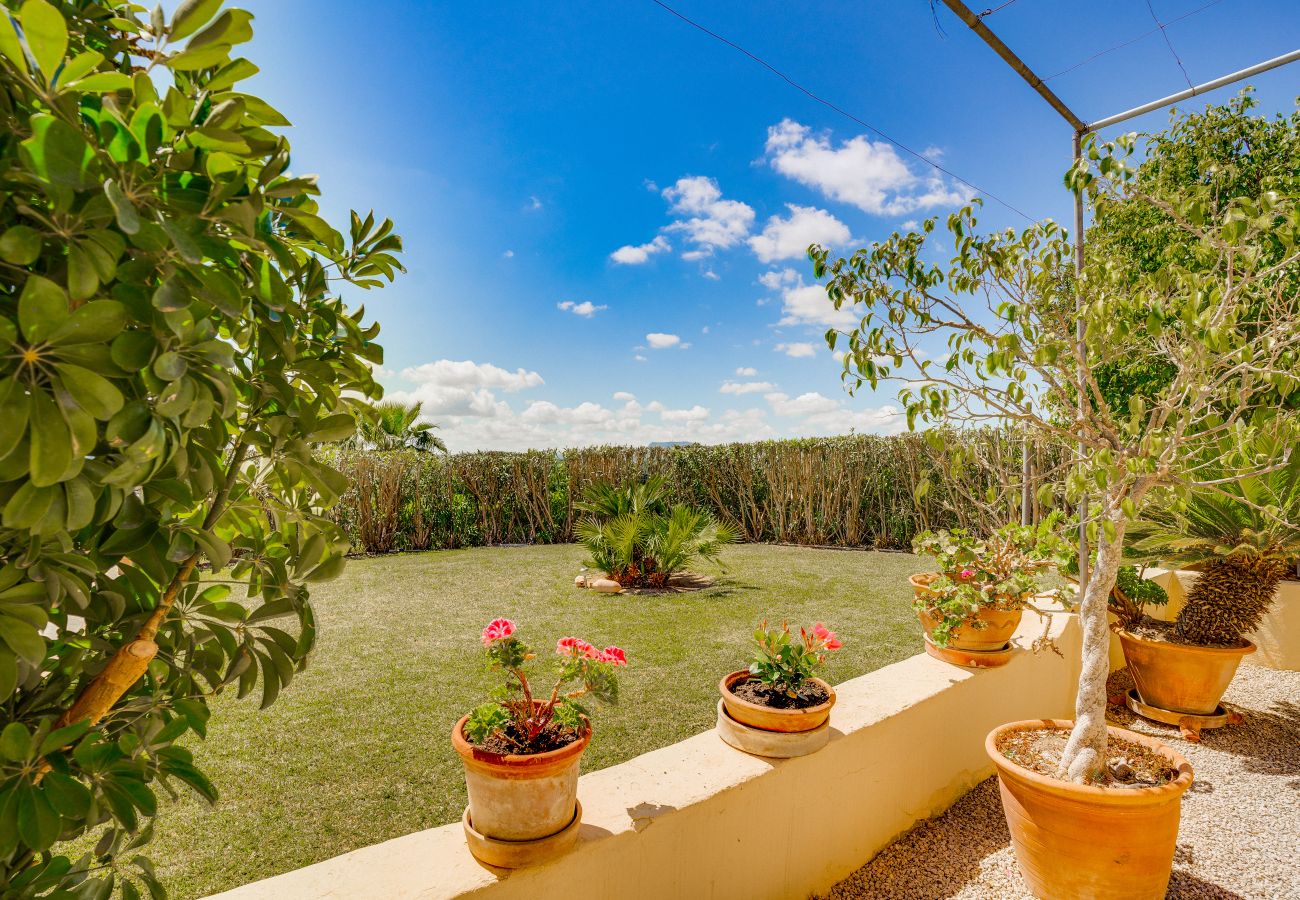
(700,819)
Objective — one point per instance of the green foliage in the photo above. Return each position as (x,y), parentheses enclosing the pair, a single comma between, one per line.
(1243,534)
(783,663)
(635,538)
(1227,154)
(171,346)
(1002,571)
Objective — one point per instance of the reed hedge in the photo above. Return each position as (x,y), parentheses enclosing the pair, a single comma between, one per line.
(853,491)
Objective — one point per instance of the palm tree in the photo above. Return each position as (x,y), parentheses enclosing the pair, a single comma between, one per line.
(1241,535)
(395,425)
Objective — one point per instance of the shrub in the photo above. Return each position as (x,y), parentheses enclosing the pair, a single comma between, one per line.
(636,538)
(782,663)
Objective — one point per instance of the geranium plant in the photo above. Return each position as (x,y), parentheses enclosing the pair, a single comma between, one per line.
(1001,572)
(527,722)
(783,663)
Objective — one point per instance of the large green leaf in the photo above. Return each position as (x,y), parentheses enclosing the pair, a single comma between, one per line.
(58,153)
(42,308)
(51,441)
(93,393)
(190,16)
(95,322)
(47,35)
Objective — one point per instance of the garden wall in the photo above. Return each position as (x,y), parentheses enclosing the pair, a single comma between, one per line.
(854,491)
(701,819)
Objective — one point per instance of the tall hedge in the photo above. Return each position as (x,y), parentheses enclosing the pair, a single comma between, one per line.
(854,491)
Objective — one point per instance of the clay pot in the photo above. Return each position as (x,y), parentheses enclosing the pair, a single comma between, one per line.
(520,797)
(1179,677)
(995,633)
(765,717)
(1081,842)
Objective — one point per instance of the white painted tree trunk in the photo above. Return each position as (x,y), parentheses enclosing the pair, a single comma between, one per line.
(1085,752)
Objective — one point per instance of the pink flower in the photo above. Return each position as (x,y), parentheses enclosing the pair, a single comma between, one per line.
(614,656)
(497,630)
(821,632)
(834,643)
(575,648)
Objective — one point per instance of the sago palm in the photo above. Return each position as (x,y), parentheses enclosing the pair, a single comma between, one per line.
(1242,536)
(687,534)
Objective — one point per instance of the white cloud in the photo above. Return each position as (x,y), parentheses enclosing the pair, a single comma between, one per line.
(799,349)
(533,204)
(789,238)
(636,254)
(639,358)
(712,275)
(468,374)
(806,304)
(509,254)
(586,308)
(709,221)
(624,396)
(869,175)
(746,387)
(818,413)
(659,341)
(747,371)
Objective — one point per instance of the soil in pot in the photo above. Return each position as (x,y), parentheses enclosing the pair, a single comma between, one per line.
(552,738)
(810,693)
(1128,763)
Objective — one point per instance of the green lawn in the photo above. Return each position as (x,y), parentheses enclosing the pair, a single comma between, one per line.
(357,750)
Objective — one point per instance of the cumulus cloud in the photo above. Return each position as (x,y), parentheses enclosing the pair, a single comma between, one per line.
(746,387)
(789,238)
(586,308)
(806,304)
(706,219)
(747,371)
(637,254)
(660,341)
(867,174)
(798,349)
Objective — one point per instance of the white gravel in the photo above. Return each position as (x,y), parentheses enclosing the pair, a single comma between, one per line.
(1240,830)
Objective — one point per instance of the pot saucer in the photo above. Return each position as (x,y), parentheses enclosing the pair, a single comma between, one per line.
(1189,725)
(971,659)
(518,854)
(771,744)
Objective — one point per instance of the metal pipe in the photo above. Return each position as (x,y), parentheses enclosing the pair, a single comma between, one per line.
(977,25)
(1194,91)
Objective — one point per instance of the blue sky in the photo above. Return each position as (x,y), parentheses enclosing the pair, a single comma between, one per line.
(604,209)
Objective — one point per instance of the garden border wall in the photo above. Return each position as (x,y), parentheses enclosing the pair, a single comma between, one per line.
(700,819)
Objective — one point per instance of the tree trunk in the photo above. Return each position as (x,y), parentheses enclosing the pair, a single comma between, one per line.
(1085,753)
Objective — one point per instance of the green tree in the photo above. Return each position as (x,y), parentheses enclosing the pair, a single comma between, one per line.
(393,425)
(1229,155)
(989,336)
(172,344)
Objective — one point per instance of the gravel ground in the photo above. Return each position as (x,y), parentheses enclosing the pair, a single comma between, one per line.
(1240,830)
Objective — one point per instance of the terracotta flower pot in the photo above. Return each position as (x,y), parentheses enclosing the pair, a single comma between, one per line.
(520,797)
(1179,677)
(768,718)
(993,634)
(1081,842)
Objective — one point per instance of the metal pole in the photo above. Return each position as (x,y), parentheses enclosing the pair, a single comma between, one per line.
(1208,86)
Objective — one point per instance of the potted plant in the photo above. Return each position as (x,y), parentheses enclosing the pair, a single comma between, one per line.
(974,603)
(777,707)
(1241,538)
(522,752)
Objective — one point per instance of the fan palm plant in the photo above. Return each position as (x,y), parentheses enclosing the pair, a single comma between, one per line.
(636,538)
(1242,537)
(396,426)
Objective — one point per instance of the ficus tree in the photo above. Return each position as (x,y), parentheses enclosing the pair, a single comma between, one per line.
(990,336)
(172,343)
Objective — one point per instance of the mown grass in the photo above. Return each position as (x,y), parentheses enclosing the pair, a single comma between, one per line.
(357,750)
